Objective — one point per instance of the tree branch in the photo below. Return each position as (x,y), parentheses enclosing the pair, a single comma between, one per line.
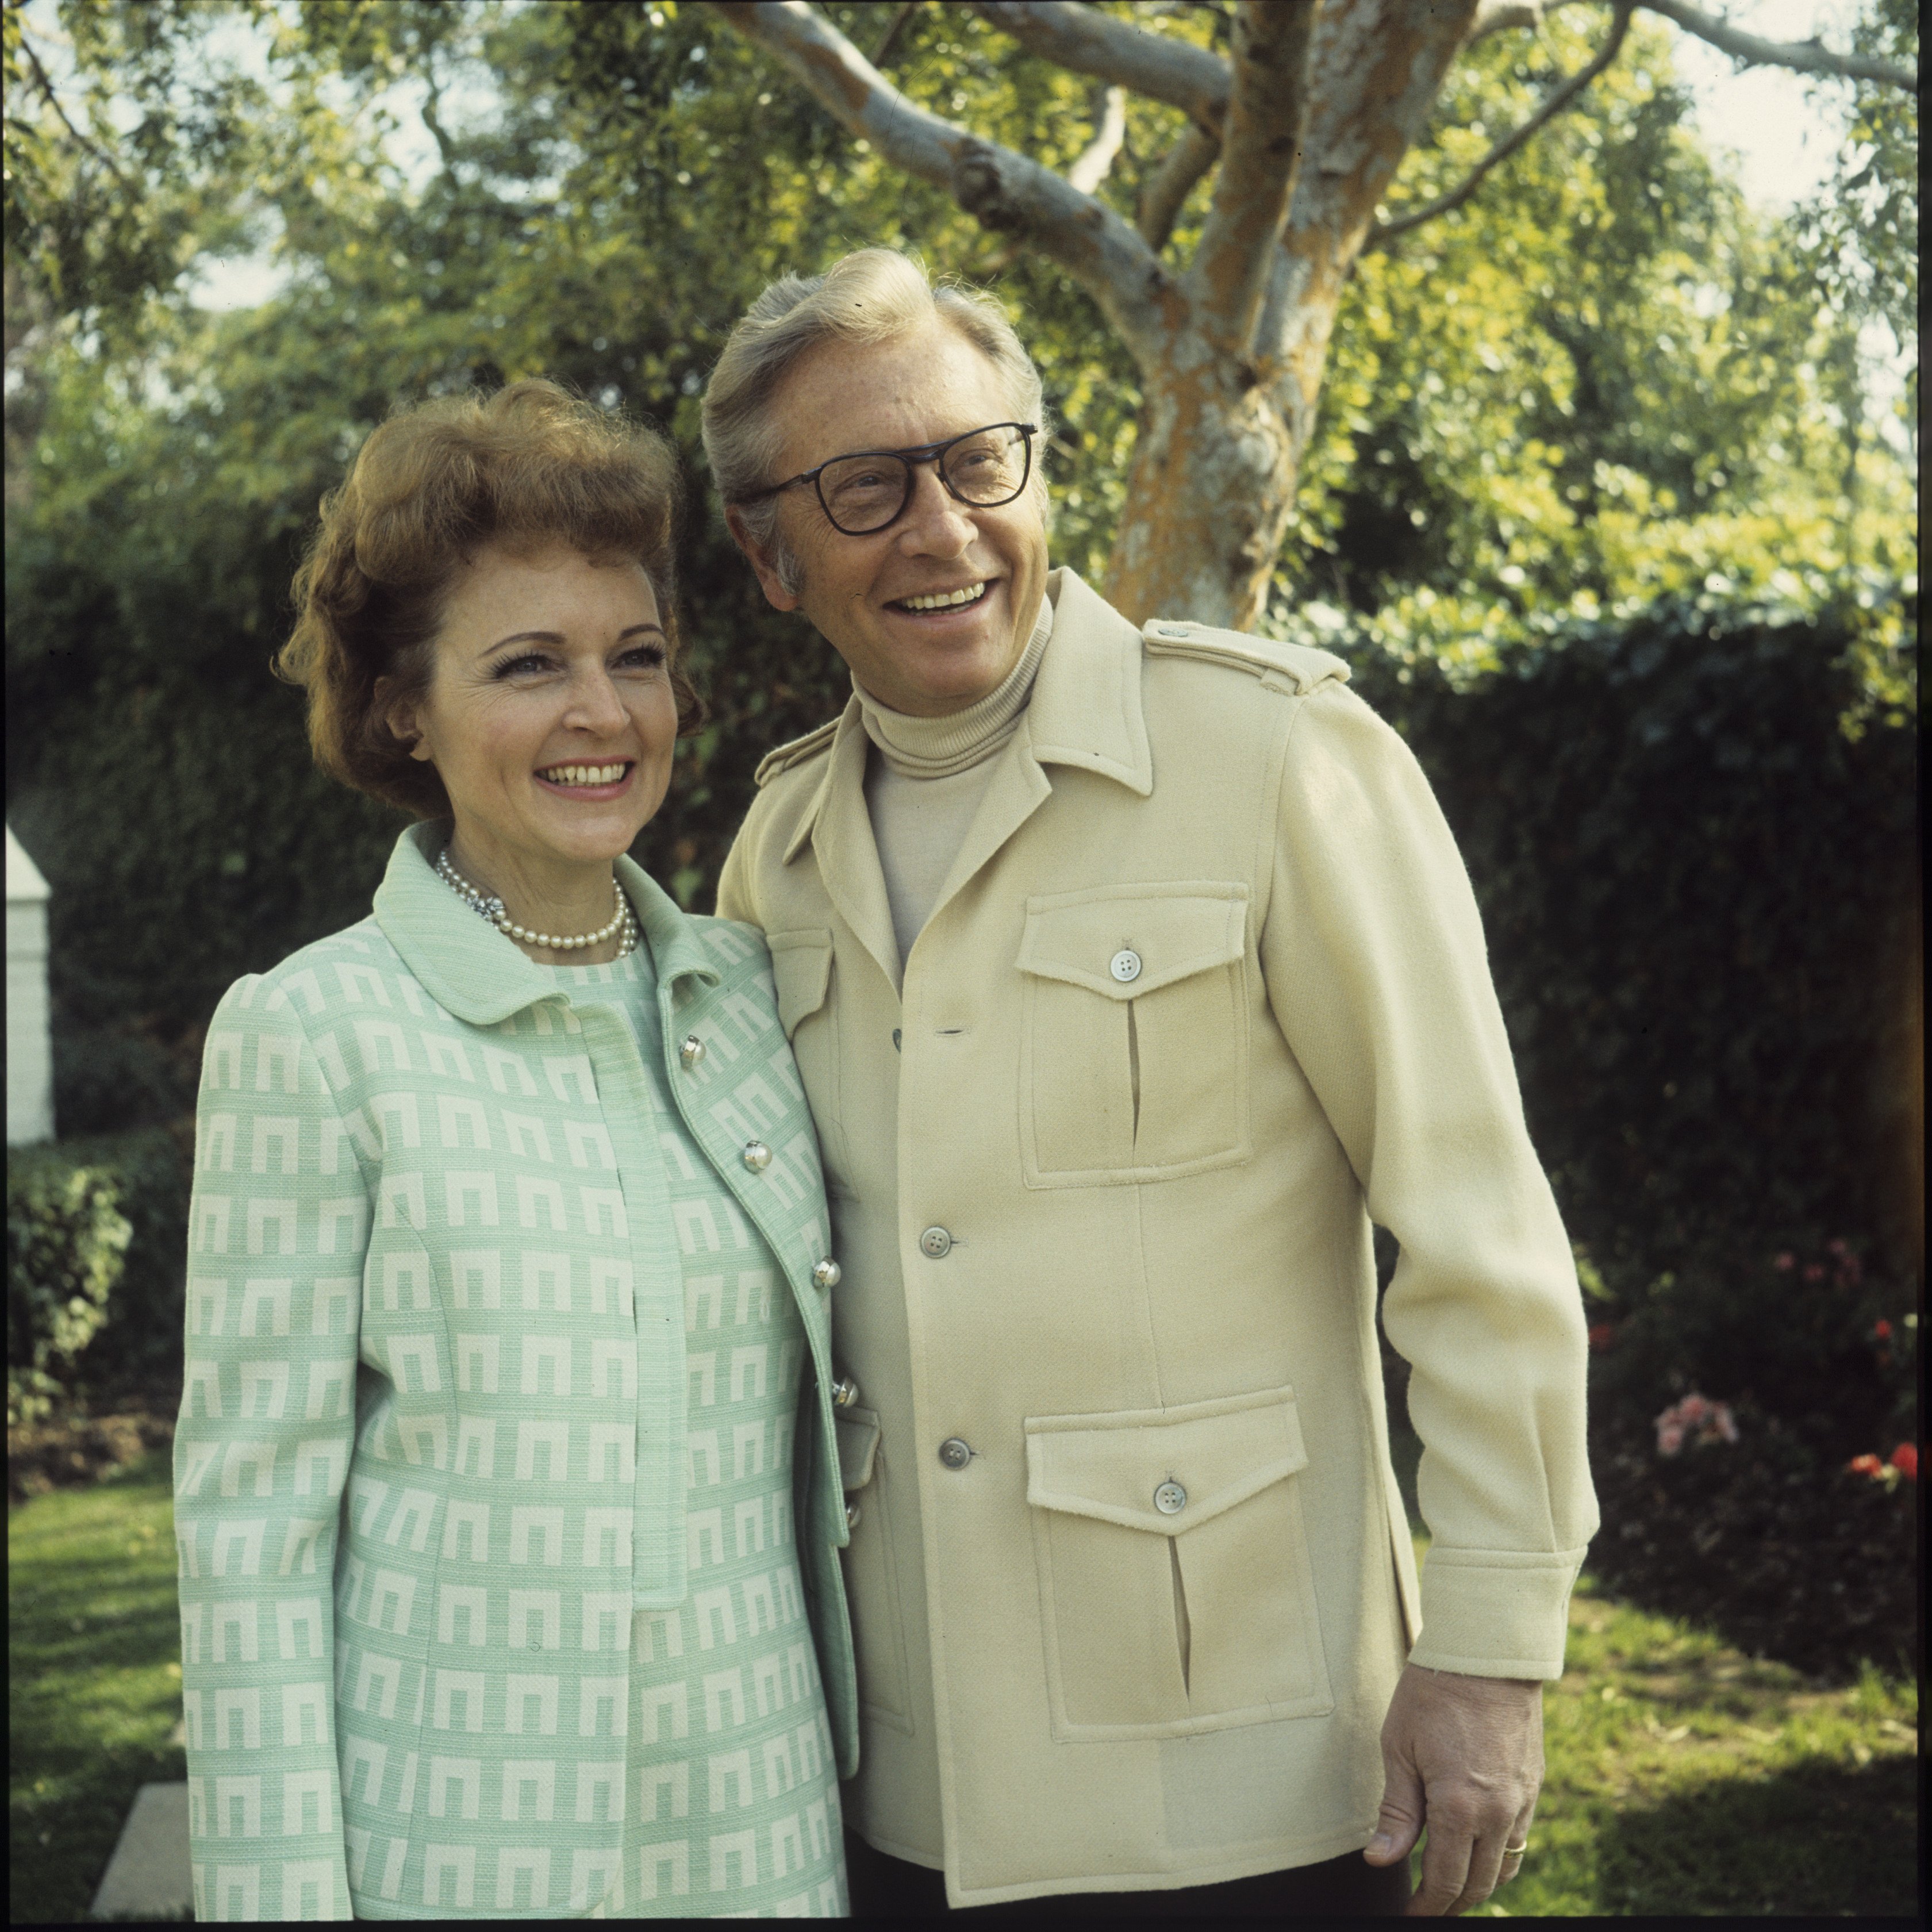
(1005,191)
(1267,117)
(46,87)
(1172,182)
(1800,56)
(890,38)
(1090,169)
(1090,42)
(1559,98)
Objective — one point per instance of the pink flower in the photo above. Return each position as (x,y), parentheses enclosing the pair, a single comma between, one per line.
(1835,1247)
(1784,1263)
(1865,1466)
(1905,1460)
(1705,1421)
(1813,1271)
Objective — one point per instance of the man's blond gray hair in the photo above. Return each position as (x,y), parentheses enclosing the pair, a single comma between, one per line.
(872,295)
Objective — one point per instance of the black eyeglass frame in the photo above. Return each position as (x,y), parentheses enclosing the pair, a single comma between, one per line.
(934,453)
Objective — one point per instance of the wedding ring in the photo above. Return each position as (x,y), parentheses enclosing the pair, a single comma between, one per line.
(1516,1851)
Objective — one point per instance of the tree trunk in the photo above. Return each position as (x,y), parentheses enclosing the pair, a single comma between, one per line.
(1210,495)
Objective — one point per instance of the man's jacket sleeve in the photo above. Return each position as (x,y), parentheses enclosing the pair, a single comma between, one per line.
(1373,952)
(277,1233)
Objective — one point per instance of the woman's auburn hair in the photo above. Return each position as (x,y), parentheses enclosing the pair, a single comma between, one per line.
(427,489)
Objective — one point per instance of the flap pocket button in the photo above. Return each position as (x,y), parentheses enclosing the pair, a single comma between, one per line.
(692,1052)
(757,1155)
(1125,965)
(1170,1499)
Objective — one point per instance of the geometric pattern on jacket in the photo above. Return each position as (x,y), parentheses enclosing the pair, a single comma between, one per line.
(433,1450)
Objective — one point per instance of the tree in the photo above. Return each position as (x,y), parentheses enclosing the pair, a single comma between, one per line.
(1298,130)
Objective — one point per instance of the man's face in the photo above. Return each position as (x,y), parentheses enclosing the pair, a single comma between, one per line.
(922,389)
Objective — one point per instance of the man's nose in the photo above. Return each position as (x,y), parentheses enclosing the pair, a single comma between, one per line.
(936,523)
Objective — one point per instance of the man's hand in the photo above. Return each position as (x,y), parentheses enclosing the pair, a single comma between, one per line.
(1462,1756)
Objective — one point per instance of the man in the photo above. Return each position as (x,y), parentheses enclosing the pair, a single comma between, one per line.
(1131,973)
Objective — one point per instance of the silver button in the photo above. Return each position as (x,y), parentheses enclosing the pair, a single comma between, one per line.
(692,1052)
(757,1155)
(935,1243)
(851,1515)
(1125,965)
(826,1274)
(954,1453)
(1170,1499)
(844,1393)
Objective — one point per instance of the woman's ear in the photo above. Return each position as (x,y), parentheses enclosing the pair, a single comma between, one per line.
(399,713)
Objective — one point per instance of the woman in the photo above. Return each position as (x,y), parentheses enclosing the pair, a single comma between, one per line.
(507,1338)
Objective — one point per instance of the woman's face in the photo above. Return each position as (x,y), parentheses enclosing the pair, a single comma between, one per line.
(550,716)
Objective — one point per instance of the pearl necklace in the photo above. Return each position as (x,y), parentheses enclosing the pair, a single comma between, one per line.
(623,928)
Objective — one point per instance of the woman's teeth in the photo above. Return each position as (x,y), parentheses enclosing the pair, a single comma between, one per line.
(583,774)
(944,600)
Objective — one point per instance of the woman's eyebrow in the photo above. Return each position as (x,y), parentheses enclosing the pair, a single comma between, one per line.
(556,636)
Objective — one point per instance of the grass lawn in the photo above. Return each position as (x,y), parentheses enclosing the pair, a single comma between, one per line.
(95,1677)
(1682,1776)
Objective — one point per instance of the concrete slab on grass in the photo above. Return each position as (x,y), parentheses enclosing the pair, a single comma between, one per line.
(148,1877)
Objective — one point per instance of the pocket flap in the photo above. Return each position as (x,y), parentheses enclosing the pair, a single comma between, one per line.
(1205,1457)
(858,1443)
(801,970)
(1172,930)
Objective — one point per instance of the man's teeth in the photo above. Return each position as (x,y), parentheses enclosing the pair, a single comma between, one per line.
(944,599)
(582,775)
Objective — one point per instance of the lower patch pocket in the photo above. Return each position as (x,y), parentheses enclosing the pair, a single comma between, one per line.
(1175,1584)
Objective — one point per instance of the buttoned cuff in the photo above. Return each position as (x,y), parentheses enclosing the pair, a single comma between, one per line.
(1495,1613)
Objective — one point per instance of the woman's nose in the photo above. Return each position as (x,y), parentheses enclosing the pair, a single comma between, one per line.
(595,703)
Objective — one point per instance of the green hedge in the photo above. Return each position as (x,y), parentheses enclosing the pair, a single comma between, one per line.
(97,1244)
(1694,834)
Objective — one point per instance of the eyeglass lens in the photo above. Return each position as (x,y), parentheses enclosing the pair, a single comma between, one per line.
(863,493)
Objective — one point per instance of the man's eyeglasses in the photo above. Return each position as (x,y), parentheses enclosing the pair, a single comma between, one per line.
(863,493)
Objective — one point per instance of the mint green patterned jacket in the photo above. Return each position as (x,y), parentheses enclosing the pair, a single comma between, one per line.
(432,1453)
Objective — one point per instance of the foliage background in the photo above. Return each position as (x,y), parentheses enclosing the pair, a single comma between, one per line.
(1602,509)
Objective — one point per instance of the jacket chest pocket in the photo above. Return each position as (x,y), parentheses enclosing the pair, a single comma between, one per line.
(1176,1591)
(801,970)
(1134,1062)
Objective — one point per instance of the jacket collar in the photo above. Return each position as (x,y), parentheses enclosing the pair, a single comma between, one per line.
(474,972)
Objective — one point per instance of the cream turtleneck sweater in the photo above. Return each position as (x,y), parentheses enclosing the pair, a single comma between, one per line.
(925,776)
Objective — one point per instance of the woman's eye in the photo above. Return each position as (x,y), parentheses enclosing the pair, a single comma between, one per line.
(643,657)
(521,667)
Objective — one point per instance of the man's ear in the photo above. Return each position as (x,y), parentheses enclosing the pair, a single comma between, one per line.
(399,714)
(761,560)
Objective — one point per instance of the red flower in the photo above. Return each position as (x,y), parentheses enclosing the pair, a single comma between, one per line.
(1603,1335)
(1865,1466)
(1905,1460)
(1883,1333)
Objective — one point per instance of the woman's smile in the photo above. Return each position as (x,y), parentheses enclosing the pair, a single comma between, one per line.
(588,783)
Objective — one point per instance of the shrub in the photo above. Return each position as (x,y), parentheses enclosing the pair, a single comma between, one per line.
(96,1236)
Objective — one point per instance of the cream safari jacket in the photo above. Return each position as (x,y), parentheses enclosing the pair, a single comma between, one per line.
(1204,994)
(439,1412)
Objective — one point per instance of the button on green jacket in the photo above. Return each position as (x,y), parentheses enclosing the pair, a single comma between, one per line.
(432,1451)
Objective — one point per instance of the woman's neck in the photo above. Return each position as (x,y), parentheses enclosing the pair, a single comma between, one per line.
(565,899)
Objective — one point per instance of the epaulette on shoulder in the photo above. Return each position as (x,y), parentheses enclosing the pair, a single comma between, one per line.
(1298,668)
(796,752)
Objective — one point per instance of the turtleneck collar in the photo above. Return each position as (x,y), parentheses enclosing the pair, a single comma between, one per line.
(936,747)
